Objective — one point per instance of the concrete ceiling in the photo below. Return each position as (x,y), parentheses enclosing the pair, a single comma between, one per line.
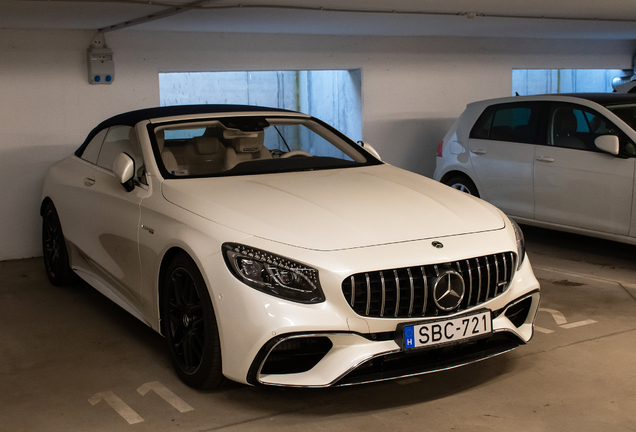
(574,19)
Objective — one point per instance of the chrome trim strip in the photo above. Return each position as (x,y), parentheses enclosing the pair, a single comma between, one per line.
(353,291)
(470,287)
(479,277)
(416,373)
(425,291)
(505,262)
(368,293)
(487,285)
(383,294)
(408,270)
(397,293)
(496,274)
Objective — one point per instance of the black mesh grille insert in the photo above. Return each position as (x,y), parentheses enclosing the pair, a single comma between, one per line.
(296,355)
(408,292)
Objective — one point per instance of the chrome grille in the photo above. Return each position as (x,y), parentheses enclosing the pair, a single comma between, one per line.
(407,292)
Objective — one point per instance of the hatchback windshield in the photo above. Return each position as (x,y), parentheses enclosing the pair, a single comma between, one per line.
(253,145)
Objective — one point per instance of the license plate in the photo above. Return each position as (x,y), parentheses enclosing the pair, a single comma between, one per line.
(447,331)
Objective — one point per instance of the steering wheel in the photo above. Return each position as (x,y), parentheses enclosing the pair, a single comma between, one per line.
(296,153)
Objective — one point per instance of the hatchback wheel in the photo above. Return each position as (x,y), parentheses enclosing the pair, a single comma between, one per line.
(463,184)
(189,324)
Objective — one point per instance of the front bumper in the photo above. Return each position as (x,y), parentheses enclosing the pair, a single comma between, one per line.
(339,359)
(270,341)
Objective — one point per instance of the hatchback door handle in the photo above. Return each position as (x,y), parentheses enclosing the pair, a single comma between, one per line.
(479,151)
(89,181)
(545,159)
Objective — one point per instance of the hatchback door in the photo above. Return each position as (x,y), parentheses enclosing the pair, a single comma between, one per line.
(575,183)
(502,150)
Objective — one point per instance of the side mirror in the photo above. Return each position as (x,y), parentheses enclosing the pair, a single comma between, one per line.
(124,170)
(370,149)
(607,143)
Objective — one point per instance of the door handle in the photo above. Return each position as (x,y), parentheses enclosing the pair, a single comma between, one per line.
(479,151)
(89,182)
(545,159)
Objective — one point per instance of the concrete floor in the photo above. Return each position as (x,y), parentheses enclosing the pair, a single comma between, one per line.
(70,360)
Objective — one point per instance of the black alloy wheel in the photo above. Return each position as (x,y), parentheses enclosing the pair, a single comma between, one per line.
(56,262)
(190,325)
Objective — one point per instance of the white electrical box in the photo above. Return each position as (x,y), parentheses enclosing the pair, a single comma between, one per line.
(101,68)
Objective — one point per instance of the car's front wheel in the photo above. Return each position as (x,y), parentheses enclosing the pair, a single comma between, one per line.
(189,324)
(56,262)
(463,184)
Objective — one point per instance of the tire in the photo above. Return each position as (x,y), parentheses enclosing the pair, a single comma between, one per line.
(56,262)
(190,327)
(464,184)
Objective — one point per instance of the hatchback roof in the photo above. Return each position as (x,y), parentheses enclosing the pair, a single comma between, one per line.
(603,98)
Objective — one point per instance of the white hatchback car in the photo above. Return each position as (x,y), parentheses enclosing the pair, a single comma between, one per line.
(268,248)
(565,162)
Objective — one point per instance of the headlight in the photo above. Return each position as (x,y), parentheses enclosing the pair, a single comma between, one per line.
(273,274)
(521,243)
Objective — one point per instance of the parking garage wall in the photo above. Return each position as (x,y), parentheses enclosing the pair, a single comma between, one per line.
(412,90)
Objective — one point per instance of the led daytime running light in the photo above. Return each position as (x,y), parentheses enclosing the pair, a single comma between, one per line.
(273,274)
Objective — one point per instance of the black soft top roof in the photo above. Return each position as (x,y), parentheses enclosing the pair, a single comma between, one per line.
(131,118)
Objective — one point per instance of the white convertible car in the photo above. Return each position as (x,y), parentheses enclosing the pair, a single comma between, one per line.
(268,248)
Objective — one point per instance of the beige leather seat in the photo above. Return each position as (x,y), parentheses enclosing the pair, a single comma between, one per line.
(205,156)
(167,157)
(246,149)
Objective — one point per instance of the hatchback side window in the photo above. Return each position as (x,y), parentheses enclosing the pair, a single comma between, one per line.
(122,139)
(576,127)
(515,122)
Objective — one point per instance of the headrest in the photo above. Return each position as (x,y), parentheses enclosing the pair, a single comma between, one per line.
(565,120)
(205,145)
(248,145)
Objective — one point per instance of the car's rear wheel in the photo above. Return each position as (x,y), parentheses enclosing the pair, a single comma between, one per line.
(464,184)
(56,262)
(190,325)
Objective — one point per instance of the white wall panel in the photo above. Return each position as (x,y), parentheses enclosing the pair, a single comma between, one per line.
(412,90)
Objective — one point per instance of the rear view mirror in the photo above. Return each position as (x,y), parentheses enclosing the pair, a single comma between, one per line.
(608,144)
(124,170)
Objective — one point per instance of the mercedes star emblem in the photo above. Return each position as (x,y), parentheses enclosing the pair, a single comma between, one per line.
(448,291)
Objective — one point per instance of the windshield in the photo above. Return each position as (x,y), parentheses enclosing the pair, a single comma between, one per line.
(253,145)
(626,112)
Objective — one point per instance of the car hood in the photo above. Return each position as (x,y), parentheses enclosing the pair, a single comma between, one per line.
(335,209)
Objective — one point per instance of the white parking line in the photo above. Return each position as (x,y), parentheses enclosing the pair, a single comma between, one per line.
(560,320)
(578,324)
(166,395)
(118,405)
(583,276)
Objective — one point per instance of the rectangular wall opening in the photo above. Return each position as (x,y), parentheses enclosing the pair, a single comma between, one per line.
(549,81)
(333,96)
